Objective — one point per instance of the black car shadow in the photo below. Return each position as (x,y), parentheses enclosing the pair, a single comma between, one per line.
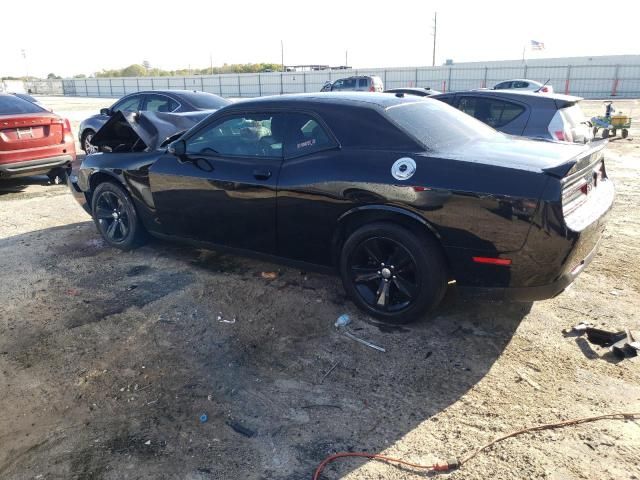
(19,184)
(165,334)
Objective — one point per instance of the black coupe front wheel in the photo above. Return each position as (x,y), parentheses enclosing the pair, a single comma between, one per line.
(392,273)
(116,218)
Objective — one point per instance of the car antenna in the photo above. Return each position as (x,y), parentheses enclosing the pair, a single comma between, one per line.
(542,86)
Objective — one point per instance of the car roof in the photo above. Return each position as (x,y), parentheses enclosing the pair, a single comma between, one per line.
(521,80)
(169,92)
(374,100)
(519,95)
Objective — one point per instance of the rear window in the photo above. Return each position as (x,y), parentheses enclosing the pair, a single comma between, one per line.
(11,105)
(436,125)
(205,100)
(493,112)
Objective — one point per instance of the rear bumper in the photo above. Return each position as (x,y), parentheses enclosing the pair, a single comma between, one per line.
(530,294)
(34,167)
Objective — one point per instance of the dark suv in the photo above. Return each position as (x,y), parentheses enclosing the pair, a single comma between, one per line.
(553,116)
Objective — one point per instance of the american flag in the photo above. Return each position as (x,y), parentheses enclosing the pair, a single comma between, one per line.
(537,45)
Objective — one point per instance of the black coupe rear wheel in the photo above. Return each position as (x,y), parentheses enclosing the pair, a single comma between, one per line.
(392,273)
(115,217)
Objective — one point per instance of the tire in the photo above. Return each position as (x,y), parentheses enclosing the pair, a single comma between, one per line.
(116,218)
(625,133)
(85,142)
(605,133)
(57,176)
(614,132)
(392,273)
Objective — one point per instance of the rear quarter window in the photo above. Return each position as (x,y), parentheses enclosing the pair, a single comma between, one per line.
(12,105)
(438,126)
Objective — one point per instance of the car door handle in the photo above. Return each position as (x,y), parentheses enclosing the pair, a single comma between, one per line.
(261,174)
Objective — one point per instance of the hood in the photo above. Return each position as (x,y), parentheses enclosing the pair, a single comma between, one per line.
(554,158)
(143,131)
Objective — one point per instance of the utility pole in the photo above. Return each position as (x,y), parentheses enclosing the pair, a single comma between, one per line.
(282,55)
(435,31)
(26,65)
(346,58)
(210,64)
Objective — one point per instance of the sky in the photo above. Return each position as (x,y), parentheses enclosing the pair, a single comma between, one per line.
(77,36)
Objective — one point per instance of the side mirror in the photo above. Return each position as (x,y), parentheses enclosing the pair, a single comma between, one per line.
(178,148)
(105,111)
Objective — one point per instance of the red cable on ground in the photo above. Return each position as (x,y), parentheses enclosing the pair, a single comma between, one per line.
(382,458)
(454,463)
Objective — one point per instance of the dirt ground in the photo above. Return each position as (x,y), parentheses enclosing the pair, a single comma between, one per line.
(109,359)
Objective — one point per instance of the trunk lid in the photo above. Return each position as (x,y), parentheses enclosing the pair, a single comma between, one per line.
(31,130)
(553,158)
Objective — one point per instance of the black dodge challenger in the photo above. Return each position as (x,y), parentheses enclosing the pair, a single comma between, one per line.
(401,196)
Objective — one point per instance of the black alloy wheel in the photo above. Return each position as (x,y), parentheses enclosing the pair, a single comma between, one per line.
(384,273)
(115,216)
(392,273)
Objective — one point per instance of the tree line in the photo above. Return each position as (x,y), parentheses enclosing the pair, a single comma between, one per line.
(145,70)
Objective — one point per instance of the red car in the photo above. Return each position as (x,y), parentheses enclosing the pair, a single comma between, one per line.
(33,140)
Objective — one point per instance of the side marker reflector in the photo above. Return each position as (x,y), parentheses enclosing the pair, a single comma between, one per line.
(505,262)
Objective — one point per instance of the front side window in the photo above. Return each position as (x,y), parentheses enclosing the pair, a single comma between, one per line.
(496,113)
(349,83)
(249,135)
(338,85)
(131,104)
(160,103)
(503,85)
(520,84)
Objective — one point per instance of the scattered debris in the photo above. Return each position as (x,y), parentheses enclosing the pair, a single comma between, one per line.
(221,319)
(148,442)
(578,329)
(131,287)
(241,429)
(620,343)
(203,418)
(341,324)
(330,370)
(269,275)
(626,347)
(526,378)
(603,338)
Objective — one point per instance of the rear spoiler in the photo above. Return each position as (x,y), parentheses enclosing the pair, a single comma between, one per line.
(564,101)
(591,154)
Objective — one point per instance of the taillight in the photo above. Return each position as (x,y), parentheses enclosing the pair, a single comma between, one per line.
(372,88)
(545,90)
(559,134)
(67,126)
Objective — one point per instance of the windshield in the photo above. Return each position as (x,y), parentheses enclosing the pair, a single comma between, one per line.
(205,100)
(437,125)
(11,105)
